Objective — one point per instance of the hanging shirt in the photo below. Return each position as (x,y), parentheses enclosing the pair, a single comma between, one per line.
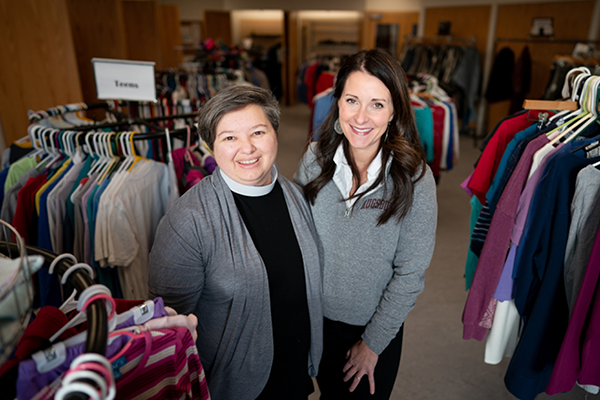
(585,218)
(78,223)
(508,163)
(173,186)
(56,205)
(446,135)
(69,218)
(527,197)
(3,176)
(542,301)
(126,224)
(438,114)
(323,102)
(492,155)
(17,169)
(87,243)
(578,356)
(424,121)
(489,268)
(52,177)
(174,369)
(49,285)
(10,200)
(472,258)
(25,219)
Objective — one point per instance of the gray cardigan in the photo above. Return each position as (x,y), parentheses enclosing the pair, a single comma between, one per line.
(372,274)
(204,262)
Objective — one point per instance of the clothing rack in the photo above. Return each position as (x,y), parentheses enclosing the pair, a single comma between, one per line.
(546,41)
(533,40)
(69,108)
(449,40)
(541,41)
(140,136)
(96,314)
(137,121)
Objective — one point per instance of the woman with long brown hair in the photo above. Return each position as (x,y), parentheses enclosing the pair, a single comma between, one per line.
(373,200)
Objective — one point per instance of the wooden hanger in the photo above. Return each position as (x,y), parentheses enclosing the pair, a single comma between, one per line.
(550,105)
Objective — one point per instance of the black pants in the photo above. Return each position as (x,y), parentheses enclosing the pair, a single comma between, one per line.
(338,338)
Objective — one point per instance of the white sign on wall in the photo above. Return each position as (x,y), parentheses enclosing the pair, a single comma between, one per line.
(542,27)
(124,79)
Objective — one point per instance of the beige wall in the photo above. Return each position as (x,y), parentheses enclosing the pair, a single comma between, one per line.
(261,22)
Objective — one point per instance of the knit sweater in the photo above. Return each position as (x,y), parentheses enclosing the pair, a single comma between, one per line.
(203,261)
(372,274)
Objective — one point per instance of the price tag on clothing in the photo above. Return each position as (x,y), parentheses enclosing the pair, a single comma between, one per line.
(124,79)
(116,366)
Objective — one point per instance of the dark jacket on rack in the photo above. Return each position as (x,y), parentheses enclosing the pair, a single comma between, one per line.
(521,81)
(500,81)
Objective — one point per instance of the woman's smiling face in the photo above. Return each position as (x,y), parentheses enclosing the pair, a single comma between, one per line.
(365,109)
(245,146)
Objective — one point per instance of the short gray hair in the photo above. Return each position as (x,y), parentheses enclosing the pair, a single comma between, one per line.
(234,98)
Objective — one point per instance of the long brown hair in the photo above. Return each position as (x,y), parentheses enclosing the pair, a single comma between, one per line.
(402,143)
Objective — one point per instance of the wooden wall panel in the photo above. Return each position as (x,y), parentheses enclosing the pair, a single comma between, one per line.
(249,27)
(217,25)
(571,21)
(465,22)
(38,68)
(143,31)
(171,34)
(405,20)
(98,31)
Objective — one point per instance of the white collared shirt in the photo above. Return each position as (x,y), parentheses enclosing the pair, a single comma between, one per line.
(251,191)
(343,175)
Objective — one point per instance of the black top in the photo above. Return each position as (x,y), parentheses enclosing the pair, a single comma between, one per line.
(268,222)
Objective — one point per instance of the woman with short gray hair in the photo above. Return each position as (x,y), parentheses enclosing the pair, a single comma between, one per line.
(239,250)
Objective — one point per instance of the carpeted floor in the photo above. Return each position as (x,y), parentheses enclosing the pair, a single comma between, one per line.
(436,362)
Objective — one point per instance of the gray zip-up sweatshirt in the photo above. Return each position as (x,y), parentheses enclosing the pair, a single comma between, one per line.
(372,274)
(204,261)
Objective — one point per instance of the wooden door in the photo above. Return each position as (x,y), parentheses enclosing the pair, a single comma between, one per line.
(217,26)
(401,23)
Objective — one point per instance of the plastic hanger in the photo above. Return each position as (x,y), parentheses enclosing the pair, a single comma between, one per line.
(70,304)
(132,336)
(32,131)
(136,158)
(589,113)
(73,379)
(82,305)
(55,151)
(66,149)
(92,151)
(44,134)
(91,374)
(592,108)
(113,158)
(102,152)
(574,117)
(125,149)
(140,314)
(573,95)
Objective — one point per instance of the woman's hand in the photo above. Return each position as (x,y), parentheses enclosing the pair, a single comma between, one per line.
(361,362)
